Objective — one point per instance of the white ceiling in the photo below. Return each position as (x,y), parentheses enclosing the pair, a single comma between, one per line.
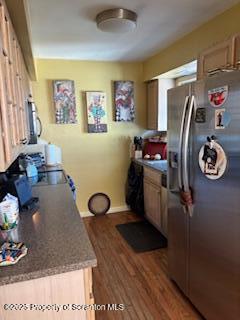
(66,29)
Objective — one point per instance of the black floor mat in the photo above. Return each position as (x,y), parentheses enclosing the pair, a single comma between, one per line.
(142,236)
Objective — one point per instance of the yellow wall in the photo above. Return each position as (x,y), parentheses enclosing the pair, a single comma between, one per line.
(187,48)
(97,162)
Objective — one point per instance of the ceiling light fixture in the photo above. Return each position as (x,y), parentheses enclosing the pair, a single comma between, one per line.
(116,20)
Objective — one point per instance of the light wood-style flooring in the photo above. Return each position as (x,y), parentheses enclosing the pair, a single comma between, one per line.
(138,280)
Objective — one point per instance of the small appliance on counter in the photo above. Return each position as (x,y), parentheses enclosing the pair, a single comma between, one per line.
(39,147)
(44,153)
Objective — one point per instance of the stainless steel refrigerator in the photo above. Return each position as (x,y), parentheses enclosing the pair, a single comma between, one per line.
(204,193)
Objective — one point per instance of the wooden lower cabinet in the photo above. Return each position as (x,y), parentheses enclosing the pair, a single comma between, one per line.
(69,290)
(152,197)
(164,211)
(155,200)
(88,287)
(152,200)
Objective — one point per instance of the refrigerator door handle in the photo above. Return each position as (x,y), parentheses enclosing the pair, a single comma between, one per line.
(180,147)
(185,172)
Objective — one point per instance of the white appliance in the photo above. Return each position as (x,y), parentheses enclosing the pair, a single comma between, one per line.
(52,154)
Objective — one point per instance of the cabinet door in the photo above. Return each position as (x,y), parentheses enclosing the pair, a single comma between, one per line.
(9,80)
(12,84)
(5,126)
(89,297)
(21,96)
(152,200)
(2,149)
(152,105)
(164,211)
(237,51)
(3,30)
(217,57)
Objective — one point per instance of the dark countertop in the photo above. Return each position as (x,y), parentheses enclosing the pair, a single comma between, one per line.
(159,165)
(56,238)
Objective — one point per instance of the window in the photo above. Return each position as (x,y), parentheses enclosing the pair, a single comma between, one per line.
(185,79)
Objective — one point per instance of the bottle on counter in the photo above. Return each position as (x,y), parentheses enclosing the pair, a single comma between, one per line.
(31,170)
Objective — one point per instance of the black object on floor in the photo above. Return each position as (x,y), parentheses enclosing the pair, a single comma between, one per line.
(142,236)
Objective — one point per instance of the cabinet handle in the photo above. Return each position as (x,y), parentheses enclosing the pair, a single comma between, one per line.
(24,141)
(213,71)
(228,68)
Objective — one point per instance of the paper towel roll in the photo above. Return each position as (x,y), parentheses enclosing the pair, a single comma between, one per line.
(53,155)
(58,155)
(50,152)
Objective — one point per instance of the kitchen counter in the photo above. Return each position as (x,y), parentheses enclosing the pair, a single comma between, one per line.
(55,235)
(159,165)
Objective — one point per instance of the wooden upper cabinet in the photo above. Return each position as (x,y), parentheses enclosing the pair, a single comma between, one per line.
(6,139)
(2,149)
(14,91)
(152,105)
(237,51)
(3,26)
(216,57)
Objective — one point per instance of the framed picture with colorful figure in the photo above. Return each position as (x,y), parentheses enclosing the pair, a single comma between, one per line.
(124,100)
(96,111)
(64,101)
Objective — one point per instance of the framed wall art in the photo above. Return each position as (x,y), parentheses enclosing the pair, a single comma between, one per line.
(64,101)
(124,100)
(96,111)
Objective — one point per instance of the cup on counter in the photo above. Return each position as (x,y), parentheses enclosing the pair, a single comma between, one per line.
(11,235)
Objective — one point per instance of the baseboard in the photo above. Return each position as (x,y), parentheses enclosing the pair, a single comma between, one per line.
(111,210)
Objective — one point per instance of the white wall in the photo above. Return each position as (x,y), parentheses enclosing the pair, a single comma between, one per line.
(163,86)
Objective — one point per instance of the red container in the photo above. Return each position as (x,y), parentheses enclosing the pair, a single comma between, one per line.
(153,148)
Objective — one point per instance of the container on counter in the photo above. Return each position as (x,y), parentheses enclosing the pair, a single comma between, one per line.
(9,212)
(137,148)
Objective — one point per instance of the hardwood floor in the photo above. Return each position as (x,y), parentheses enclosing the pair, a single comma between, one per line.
(137,280)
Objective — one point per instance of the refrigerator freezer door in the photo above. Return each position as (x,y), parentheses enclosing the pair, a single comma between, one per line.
(177,218)
(214,247)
